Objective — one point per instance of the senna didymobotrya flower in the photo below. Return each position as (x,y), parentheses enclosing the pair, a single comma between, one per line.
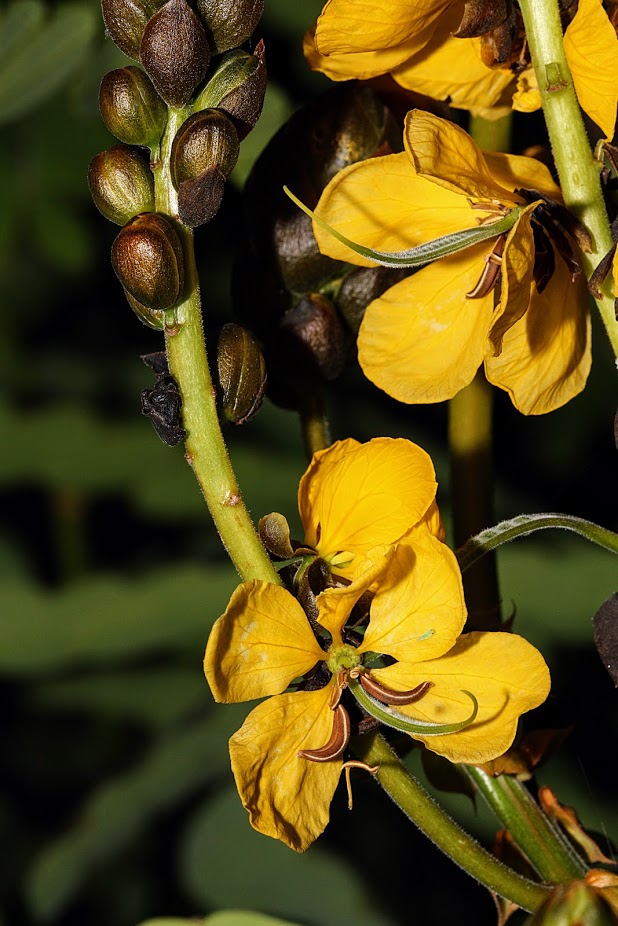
(288,755)
(516,304)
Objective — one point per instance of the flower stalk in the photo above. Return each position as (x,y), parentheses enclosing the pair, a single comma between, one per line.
(186,352)
(578,172)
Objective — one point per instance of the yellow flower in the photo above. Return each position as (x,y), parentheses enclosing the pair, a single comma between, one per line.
(591,48)
(414,42)
(288,755)
(514,307)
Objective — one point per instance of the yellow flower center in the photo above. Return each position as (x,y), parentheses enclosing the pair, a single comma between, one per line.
(343,657)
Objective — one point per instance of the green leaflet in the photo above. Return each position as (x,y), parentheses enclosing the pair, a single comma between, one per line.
(392,718)
(424,253)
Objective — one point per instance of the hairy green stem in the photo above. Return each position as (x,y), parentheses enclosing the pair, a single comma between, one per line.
(578,172)
(422,810)
(186,353)
(545,847)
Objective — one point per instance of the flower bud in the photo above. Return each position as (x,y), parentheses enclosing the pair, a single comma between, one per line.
(574,904)
(147,259)
(237,87)
(241,374)
(204,153)
(125,21)
(131,107)
(121,184)
(151,317)
(360,287)
(229,23)
(175,52)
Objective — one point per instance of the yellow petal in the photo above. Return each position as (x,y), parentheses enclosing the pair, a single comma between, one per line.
(513,171)
(346,26)
(546,357)
(591,48)
(517,269)
(452,68)
(446,155)
(418,611)
(260,644)
(287,797)
(507,675)
(356,496)
(423,340)
(527,98)
(335,604)
(358,64)
(433,522)
(381,203)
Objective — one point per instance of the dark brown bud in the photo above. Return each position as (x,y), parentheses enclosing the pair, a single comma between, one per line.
(147,259)
(360,287)
(131,107)
(237,87)
(125,21)
(175,52)
(203,155)
(121,184)
(241,374)
(229,23)
(480,16)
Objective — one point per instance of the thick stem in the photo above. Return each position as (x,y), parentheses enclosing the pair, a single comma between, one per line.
(186,353)
(534,833)
(578,172)
(470,447)
(419,807)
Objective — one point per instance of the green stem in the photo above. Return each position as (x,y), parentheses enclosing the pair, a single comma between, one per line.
(578,172)
(545,847)
(470,449)
(186,353)
(422,810)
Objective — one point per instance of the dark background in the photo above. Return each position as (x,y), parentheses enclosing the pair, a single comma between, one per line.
(116,799)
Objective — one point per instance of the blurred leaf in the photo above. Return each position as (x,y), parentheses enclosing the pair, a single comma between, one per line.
(153,697)
(41,53)
(294,18)
(224,918)
(122,808)
(93,621)
(315,887)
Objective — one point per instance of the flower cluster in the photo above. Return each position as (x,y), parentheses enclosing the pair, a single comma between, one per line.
(390,614)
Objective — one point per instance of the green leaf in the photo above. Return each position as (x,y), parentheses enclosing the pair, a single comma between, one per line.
(18,23)
(46,54)
(424,253)
(220,843)
(526,524)
(122,808)
(109,618)
(223,918)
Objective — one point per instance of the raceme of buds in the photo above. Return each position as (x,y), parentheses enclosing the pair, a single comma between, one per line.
(175,52)
(237,87)
(121,184)
(131,107)
(203,155)
(147,259)
(241,373)
(125,21)
(230,22)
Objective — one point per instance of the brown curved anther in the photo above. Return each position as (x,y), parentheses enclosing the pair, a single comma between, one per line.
(387,696)
(341,682)
(337,743)
(492,271)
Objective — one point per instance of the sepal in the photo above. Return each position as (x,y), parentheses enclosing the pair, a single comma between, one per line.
(237,87)
(241,374)
(175,52)
(125,21)
(131,107)
(229,23)
(121,184)
(147,259)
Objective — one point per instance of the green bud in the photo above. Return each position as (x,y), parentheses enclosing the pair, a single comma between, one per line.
(151,317)
(175,52)
(147,259)
(230,22)
(241,374)
(131,107)
(121,184)
(574,904)
(125,21)
(237,87)
(203,154)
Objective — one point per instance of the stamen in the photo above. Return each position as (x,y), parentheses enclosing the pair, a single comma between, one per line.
(341,683)
(337,743)
(491,272)
(387,696)
(355,763)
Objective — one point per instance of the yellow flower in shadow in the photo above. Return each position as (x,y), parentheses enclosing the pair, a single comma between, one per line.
(518,304)
(288,755)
